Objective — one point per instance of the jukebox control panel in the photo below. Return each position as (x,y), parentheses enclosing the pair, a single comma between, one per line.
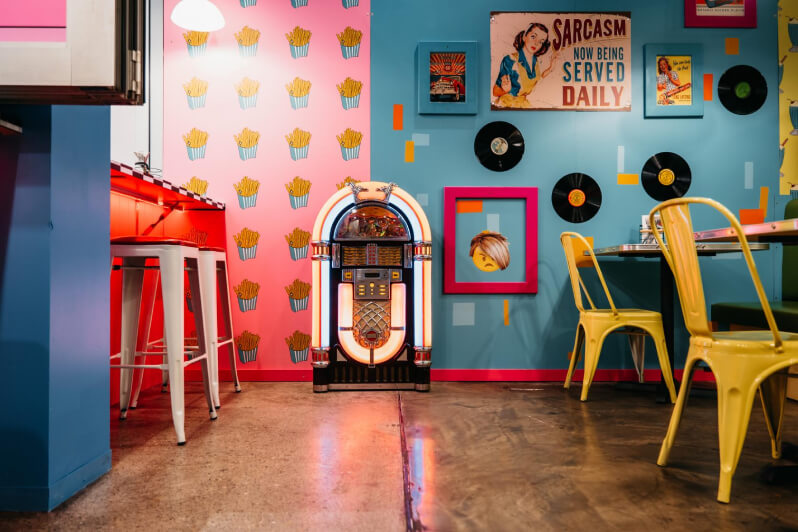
(372,283)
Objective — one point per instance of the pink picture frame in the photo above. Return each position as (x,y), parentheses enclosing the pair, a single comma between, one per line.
(450,197)
(726,18)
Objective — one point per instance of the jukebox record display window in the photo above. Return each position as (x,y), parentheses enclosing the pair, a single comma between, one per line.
(490,240)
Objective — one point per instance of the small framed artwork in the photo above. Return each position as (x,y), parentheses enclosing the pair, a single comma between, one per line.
(447,77)
(720,13)
(674,81)
(490,240)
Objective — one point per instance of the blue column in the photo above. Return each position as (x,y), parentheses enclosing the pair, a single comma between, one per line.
(54,319)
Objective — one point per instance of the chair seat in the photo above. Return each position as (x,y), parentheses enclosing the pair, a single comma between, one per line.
(751,314)
(635,312)
(151,241)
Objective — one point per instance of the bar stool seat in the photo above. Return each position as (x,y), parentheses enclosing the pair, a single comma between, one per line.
(151,241)
(175,257)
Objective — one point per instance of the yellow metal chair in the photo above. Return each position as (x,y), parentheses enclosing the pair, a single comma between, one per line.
(742,361)
(596,324)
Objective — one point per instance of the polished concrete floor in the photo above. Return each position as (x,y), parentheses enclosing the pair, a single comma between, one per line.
(467,456)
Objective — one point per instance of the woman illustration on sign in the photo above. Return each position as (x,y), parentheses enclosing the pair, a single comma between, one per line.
(667,80)
(520,71)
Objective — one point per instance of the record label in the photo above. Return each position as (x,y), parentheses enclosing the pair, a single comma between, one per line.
(576,198)
(666,176)
(499,146)
(742,89)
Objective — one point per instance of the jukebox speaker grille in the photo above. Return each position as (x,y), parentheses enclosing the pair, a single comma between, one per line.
(371,318)
(390,256)
(353,256)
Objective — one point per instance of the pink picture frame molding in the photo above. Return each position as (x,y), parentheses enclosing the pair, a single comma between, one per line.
(450,197)
(693,20)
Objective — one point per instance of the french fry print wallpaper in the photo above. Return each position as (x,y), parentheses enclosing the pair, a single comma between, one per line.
(269,115)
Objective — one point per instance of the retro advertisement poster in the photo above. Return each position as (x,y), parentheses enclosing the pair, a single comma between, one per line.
(674,80)
(447,75)
(566,61)
(720,8)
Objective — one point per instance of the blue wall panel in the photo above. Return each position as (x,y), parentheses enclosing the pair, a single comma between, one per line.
(54,328)
(558,142)
(79,298)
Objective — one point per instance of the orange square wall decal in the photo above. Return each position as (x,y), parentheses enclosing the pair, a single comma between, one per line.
(732,46)
(398,117)
(464,206)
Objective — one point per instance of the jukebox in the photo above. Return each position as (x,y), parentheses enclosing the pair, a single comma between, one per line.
(372,325)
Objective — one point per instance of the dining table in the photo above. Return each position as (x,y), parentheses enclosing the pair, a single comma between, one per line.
(666,284)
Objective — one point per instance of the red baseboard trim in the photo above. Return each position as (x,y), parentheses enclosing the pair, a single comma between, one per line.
(552,375)
(463,375)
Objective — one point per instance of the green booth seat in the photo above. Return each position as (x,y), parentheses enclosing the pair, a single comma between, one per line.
(750,314)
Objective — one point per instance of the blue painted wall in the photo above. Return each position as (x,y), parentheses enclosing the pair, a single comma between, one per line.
(717,146)
(54,329)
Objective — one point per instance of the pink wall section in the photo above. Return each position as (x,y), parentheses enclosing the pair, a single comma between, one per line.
(222,66)
(33,21)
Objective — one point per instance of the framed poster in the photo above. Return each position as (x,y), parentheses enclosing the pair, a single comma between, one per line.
(674,82)
(447,77)
(490,242)
(720,13)
(561,61)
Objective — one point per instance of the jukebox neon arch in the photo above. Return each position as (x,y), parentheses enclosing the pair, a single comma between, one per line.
(371,297)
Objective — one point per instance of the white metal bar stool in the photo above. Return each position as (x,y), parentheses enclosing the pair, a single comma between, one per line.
(173,256)
(214,280)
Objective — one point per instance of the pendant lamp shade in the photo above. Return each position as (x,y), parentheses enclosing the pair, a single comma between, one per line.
(197,15)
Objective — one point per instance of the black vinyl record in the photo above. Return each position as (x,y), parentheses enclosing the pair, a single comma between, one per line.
(499,146)
(742,89)
(576,198)
(666,176)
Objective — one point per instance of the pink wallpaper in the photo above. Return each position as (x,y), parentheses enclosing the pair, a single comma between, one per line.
(214,133)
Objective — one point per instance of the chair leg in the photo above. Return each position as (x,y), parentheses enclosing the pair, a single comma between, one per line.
(676,415)
(148,304)
(592,353)
(200,311)
(637,343)
(773,392)
(173,317)
(734,411)
(665,365)
(207,271)
(227,318)
(131,306)
(575,354)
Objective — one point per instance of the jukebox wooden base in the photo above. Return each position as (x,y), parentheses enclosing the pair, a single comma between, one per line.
(343,374)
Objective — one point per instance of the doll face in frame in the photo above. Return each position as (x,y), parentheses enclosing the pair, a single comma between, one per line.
(483,261)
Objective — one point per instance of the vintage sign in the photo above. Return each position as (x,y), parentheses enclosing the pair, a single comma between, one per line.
(569,61)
